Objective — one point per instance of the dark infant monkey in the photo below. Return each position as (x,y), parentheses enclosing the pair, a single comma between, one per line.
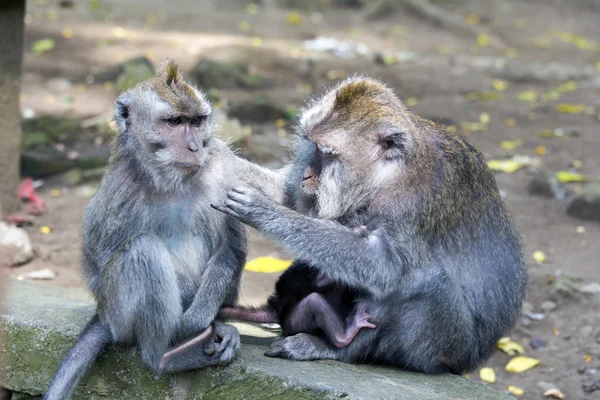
(157,258)
(406,254)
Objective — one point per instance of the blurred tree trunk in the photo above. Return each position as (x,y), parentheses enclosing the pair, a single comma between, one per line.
(12,13)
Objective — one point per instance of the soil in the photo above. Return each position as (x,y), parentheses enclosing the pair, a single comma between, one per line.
(444,67)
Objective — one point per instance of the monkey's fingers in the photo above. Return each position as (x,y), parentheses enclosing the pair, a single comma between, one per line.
(223,209)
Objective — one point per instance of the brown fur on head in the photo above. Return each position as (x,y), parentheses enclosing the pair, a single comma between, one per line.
(376,153)
(172,88)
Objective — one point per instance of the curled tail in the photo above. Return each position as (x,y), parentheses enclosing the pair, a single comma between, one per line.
(248,314)
(94,339)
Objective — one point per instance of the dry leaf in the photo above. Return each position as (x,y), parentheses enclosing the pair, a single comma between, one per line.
(510,347)
(487,374)
(568,176)
(557,394)
(45,230)
(267,265)
(293,18)
(587,358)
(516,391)
(571,108)
(42,46)
(541,150)
(520,364)
(529,96)
(539,257)
(511,144)
(508,166)
(499,85)
(510,122)
(483,40)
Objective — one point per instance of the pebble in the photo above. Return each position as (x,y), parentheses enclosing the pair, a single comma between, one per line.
(536,343)
(548,306)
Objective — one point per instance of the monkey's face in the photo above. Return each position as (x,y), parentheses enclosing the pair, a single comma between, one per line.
(357,138)
(170,134)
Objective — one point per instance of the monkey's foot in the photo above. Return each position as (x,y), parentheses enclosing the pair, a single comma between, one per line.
(301,347)
(356,321)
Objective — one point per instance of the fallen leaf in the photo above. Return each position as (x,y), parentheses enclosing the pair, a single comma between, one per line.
(568,176)
(483,40)
(587,358)
(541,150)
(516,391)
(280,123)
(557,394)
(510,347)
(580,229)
(566,87)
(412,101)
(529,96)
(511,52)
(45,230)
(244,26)
(539,257)
(510,122)
(257,41)
(555,331)
(552,133)
(293,18)
(511,144)
(484,118)
(55,193)
(520,364)
(472,19)
(571,108)
(252,8)
(508,166)
(483,96)
(487,374)
(499,85)
(267,265)
(67,33)
(42,46)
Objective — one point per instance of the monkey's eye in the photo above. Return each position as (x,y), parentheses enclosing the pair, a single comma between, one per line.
(196,121)
(174,121)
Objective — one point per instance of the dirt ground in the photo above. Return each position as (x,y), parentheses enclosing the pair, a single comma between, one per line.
(438,72)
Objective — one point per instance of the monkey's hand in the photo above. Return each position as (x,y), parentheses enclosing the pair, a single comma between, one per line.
(227,343)
(249,206)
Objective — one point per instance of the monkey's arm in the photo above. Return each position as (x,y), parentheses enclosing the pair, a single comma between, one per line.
(357,258)
(224,267)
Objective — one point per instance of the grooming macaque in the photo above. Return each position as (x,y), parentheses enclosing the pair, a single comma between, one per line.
(406,254)
(157,258)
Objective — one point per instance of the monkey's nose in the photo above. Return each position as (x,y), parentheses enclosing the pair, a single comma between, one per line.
(192,146)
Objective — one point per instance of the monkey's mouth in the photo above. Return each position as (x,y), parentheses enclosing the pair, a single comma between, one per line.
(187,168)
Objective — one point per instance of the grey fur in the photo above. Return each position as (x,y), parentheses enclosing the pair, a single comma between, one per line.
(157,258)
(408,219)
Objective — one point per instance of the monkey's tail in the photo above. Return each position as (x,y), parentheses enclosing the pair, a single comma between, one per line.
(248,314)
(94,339)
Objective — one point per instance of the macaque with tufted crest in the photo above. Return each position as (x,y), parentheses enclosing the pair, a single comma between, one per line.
(157,258)
(405,252)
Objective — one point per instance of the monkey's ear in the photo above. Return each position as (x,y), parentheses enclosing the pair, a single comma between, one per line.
(122,115)
(393,145)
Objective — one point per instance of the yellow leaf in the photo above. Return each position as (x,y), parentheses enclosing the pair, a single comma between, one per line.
(510,347)
(256,41)
(499,85)
(508,166)
(580,229)
(539,257)
(516,391)
(551,95)
(293,18)
(577,164)
(555,331)
(511,52)
(510,122)
(484,118)
(267,265)
(487,374)
(244,26)
(472,19)
(45,230)
(529,96)
(569,86)
(587,358)
(252,8)
(55,193)
(412,101)
(568,176)
(67,33)
(280,122)
(520,364)
(541,150)
(571,108)
(483,40)
(42,46)
(511,144)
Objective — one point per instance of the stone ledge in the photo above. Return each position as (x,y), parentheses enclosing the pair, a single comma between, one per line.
(43,321)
